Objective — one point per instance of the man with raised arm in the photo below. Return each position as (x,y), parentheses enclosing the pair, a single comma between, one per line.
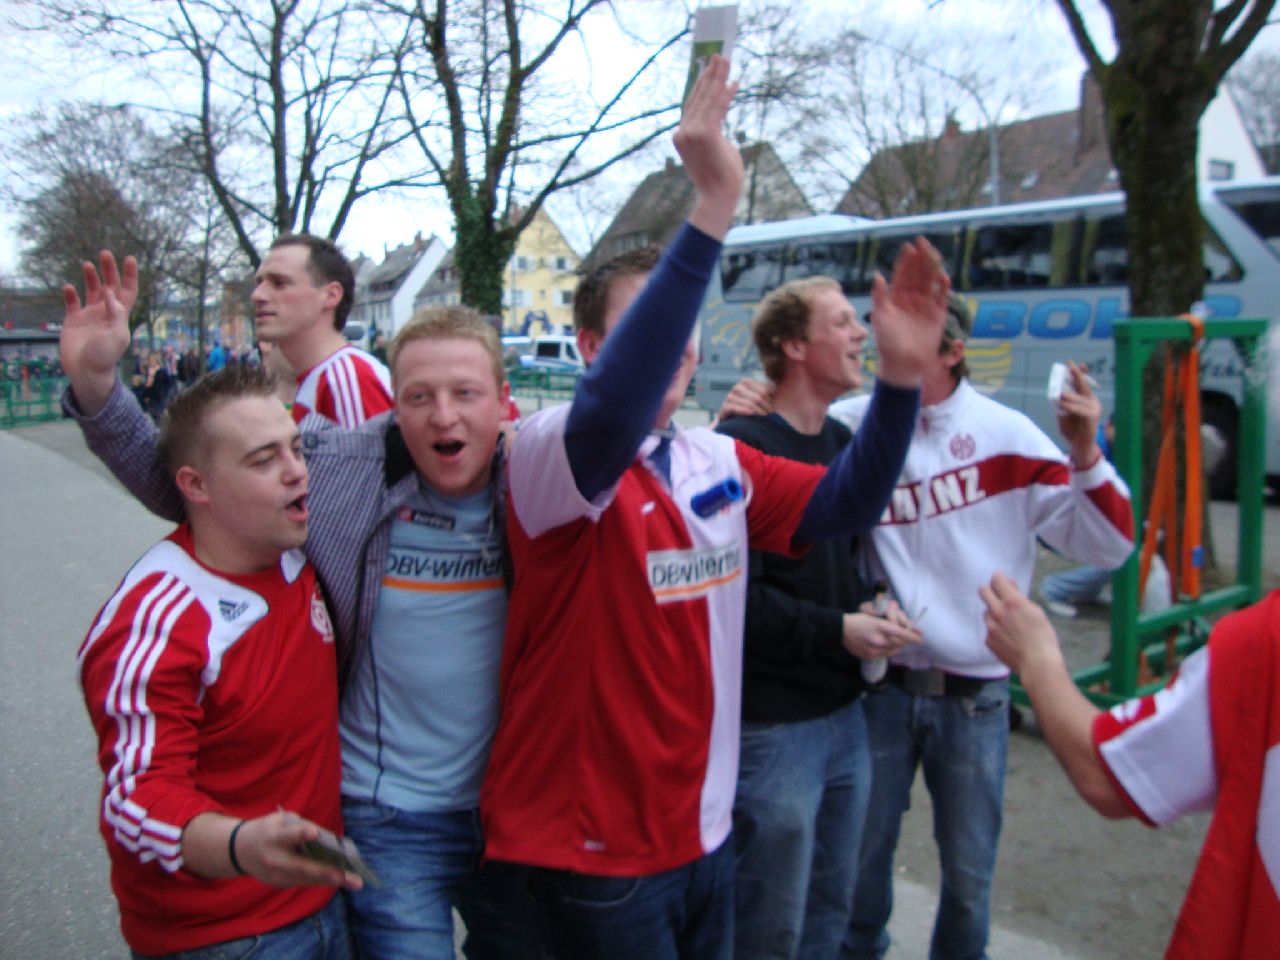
(980,483)
(1208,740)
(407,539)
(804,778)
(211,683)
(615,762)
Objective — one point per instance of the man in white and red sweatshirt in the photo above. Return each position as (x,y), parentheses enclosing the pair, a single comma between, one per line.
(981,482)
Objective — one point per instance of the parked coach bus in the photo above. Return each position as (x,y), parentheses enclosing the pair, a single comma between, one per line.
(1046,281)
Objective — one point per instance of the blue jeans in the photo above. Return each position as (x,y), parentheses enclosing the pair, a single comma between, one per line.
(682,914)
(1080,584)
(962,743)
(322,936)
(802,796)
(429,863)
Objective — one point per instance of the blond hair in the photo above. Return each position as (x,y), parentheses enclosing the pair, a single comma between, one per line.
(450,323)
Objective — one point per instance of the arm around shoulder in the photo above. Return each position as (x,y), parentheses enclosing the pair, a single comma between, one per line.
(124,438)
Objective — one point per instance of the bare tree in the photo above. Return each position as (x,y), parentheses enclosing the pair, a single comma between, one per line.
(478,70)
(87,178)
(1255,83)
(290,119)
(782,60)
(888,137)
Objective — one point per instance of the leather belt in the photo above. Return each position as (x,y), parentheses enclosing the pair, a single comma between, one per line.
(935,683)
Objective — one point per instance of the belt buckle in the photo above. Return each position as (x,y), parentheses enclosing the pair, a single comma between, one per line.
(924,683)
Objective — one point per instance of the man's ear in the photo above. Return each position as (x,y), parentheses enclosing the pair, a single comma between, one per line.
(953,354)
(589,344)
(191,485)
(332,295)
(795,349)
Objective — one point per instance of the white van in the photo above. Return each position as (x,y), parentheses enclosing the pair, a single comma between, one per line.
(558,354)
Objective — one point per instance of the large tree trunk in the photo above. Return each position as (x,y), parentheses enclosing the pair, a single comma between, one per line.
(1154,105)
(481,254)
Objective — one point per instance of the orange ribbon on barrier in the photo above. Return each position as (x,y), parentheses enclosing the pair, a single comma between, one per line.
(1181,387)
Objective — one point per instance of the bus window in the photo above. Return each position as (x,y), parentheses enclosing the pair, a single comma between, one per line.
(1263,215)
(1219,265)
(1104,256)
(837,260)
(747,275)
(883,251)
(1009,256)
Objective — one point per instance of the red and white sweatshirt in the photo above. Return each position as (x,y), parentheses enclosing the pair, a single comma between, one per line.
(617,747)
(209,692)
(348,387)
(1211,738)
(981,482)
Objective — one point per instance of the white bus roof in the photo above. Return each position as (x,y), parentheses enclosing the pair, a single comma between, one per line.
(802,227)
(834,223)
(1228,186)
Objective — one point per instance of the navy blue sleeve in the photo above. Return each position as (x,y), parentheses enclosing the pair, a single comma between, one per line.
(618,398)
(859,482)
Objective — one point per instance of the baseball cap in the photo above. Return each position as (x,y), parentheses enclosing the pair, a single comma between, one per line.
(959,319)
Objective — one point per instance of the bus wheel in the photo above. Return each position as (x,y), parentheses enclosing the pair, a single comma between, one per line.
(1221,424)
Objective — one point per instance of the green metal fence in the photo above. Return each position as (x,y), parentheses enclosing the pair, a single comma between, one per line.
(34,399)
(1136,636)
(543,385)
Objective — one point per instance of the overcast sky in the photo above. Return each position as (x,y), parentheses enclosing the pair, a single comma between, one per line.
(31,76)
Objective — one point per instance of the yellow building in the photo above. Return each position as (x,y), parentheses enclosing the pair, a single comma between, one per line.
(538,285)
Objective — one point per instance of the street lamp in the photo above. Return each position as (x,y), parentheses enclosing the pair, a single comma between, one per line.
(993,140)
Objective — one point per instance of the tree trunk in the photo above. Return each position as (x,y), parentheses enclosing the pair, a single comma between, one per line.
(1154,105)
(481,255)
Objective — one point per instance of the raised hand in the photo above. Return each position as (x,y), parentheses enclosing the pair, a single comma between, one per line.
(908,314)
(711,159)
(1079,413)
(95,334)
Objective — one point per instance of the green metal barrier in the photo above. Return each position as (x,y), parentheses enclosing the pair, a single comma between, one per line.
(1116,679)
(543,384)
(34,400)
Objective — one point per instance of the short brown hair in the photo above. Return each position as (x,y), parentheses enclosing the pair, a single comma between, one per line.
(591,298)
(449,323)
(958,327)
(784,315)
(325,264)
(182,428)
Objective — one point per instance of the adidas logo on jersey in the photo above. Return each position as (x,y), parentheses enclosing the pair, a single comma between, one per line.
(230,610)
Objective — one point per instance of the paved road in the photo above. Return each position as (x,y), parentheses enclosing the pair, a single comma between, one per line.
(67,534)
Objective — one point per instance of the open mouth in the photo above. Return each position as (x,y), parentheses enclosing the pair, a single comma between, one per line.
(297,509)
(448,448)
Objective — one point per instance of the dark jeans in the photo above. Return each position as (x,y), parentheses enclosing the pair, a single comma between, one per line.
(682,914)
